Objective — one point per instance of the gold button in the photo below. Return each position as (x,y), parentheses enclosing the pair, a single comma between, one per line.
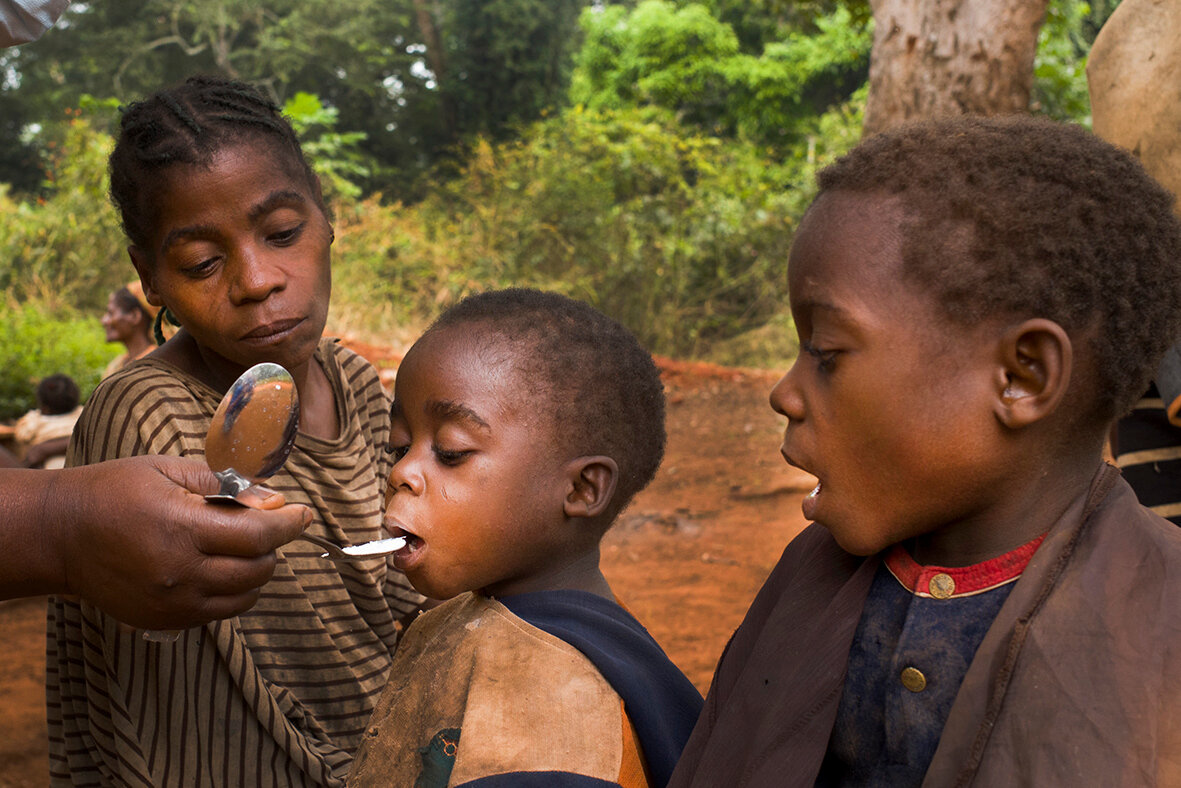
(942,586)
(913,679)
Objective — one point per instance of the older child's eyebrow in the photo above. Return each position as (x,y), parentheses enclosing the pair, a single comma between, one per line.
(446,409)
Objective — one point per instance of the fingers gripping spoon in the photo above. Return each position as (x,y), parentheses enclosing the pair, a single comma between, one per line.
(250,437)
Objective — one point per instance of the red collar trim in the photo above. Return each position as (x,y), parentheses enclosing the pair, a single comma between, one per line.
(940,582)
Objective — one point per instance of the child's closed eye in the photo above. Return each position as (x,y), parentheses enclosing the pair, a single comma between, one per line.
(450,457)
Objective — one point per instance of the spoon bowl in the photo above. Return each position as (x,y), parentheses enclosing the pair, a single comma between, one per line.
(253,430)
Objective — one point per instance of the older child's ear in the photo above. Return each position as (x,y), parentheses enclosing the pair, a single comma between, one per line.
(1036,360)
(592,485)
(143,267)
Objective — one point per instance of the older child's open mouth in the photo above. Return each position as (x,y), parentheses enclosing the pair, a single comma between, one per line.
(810,502)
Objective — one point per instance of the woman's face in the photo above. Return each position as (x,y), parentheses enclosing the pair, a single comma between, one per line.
(240,256)
(120,325)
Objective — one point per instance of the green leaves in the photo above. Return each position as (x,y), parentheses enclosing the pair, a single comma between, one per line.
(686,60)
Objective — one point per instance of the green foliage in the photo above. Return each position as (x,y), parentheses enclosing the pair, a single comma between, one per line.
(334,155)
(39,338)
(677,234)
(506,62)
(686,60)
(1060,77)
(66,246)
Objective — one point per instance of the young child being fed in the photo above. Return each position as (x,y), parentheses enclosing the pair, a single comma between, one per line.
(523,422)
(980,600)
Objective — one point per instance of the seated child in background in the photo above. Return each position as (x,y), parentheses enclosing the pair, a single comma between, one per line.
(523,422)
(43,435)
(980,600)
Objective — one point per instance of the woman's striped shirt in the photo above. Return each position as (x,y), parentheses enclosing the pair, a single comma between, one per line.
(279,695)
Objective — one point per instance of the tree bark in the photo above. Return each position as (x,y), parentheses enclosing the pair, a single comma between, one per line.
(934,58)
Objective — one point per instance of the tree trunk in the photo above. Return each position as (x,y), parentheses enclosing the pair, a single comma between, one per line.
(437,60)
(935,58)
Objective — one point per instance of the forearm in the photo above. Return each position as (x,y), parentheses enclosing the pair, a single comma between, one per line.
(36,518)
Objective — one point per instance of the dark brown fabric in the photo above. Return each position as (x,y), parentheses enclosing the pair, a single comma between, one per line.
(1078,681)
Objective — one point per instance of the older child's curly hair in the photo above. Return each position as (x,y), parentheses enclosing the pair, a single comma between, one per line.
(1024,217)
(188,125)
(589,374)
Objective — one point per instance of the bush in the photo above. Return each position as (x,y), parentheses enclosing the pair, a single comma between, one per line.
(681,236)
(67,246)
(37,339)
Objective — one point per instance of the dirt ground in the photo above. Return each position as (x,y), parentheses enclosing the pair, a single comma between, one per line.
(686,557)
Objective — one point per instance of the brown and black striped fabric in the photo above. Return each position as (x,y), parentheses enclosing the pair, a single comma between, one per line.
(277,696)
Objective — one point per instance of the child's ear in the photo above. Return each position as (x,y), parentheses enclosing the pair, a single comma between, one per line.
(1036,362)
(143,267)
(592,485)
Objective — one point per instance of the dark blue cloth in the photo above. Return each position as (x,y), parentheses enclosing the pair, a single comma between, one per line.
(661,703)
(885,735)
(537,780)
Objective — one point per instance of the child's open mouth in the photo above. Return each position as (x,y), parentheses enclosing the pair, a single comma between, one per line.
(407,555)
(810,502)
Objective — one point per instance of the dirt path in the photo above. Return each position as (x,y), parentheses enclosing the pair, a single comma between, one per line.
(686,557)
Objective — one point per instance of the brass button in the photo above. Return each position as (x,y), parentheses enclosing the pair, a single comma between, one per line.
(913,679)
(942,586)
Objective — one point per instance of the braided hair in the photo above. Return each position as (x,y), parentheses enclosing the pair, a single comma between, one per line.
(188,125)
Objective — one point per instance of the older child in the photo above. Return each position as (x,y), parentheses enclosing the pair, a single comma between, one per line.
(981,600)
(523,422)
(229,233)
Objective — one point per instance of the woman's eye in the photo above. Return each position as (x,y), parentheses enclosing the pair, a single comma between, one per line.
(201,269)
(398,451)
(288,236)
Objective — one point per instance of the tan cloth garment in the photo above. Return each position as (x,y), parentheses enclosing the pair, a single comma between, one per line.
(277,696)
(1078,681)
(522,700)
(35,427)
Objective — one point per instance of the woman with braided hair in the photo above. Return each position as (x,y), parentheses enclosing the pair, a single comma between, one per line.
(229,234)
(128,320)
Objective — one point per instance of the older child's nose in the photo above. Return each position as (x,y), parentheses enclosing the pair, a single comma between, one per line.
(785,397)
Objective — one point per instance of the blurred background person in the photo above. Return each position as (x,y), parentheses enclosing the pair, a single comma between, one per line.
(42,435)
(129,319)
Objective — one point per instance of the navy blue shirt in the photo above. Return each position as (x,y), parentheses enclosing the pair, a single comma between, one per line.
(917,635)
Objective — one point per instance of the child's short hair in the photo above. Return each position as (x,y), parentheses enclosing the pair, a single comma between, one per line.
(57,394)
(1024,217)
(189,124)
(599,385)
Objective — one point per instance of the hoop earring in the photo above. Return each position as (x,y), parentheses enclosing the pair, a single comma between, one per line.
(158,324)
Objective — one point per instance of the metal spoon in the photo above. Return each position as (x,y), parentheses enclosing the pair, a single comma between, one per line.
(252,430)
(354,552)
(249,439)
